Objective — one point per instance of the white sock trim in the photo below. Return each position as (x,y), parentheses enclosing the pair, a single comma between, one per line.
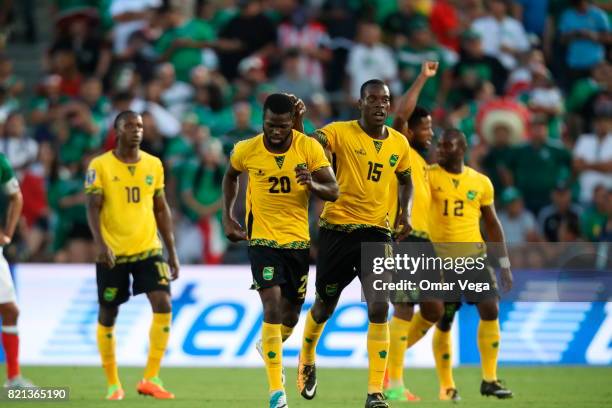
(10,329)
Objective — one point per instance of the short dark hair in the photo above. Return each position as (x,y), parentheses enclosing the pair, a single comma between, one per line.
(418,114)
(279,104)
(454,132)
(122,116)
(372,82)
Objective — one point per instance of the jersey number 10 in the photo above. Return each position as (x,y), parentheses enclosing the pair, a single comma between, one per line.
(133,194)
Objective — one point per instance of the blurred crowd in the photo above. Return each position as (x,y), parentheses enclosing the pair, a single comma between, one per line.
(529,82)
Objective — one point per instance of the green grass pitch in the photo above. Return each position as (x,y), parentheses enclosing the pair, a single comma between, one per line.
(534,387)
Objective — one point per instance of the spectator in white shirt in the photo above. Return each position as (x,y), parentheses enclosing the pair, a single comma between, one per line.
(129,16)
(593,155)
(502,36)
(176,95)
(370,59)
(20,149)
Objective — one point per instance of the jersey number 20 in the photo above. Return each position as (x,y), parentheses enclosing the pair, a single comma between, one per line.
(284,182)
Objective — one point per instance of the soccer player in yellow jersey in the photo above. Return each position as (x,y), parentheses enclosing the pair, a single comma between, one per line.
(460,198)
(284,168)
(415,122)
(367,156)
(126,207)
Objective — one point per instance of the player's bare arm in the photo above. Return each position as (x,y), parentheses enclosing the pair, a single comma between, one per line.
(12,216)
(233,230)
(94,206)
(408,101)
(163,218)
(322,182)
(495,233)
(402,223)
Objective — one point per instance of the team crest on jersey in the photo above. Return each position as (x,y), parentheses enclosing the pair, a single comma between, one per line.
(91,177)
(110,294)
(279,161)
(268,273)
(393,160)
(471,194)
(149,180)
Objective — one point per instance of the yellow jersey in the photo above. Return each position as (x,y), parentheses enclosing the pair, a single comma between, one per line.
(127,219)
(276,205)
(456,203)
(421,197)
(365,169)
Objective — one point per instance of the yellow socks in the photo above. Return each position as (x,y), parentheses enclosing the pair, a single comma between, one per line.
(106,347)
(286,332)
(488,345)
(378,350)
(272,346)
(418,328)
(398,330)
(158,340)
(443,353)
(312,332)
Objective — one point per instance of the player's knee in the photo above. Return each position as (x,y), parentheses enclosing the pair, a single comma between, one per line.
(107,315)
(9,314)
(160,302)
(432,311)
(322,311)
(378,312)
(291,316)
(488,310)
(403,311)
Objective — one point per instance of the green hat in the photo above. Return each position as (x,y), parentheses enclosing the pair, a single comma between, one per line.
(469,35)
(510,194)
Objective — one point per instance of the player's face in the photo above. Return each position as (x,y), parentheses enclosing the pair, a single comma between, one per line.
(277,128)
(423,133)
(375,105)
(131,130)
(450,149)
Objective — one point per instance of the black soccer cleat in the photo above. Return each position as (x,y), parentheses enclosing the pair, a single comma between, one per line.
(495,389)
(307,380)
(376,401)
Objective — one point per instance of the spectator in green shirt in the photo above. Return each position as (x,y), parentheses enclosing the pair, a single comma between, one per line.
(183,42)
(410,57)
(243,129)
(72,241)
(594,218)
(200,187)
(538,165)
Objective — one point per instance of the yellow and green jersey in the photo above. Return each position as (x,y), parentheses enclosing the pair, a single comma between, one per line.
(421,197)
(276,205)
(365,169)
(127,219)
(457,200)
